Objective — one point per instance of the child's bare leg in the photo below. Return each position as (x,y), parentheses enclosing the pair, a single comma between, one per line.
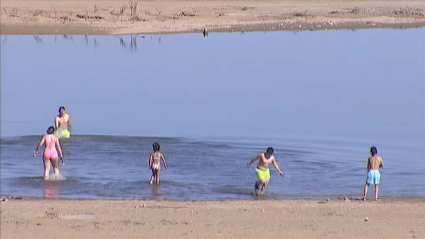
(259,183)
(259,186)
(152,177)
(264,187)
(262,190)
(365,191)
(55,163)
(158,174)
(376,191)
(46,162)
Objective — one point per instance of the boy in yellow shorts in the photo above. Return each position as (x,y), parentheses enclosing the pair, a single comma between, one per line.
(62,123)
(262,169)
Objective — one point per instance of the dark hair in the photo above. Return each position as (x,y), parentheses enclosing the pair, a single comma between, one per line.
(270,150)
(50,130)
(373,150)
(61,108)
(156,146)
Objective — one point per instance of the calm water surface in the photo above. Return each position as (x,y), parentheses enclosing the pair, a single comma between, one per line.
(321,99)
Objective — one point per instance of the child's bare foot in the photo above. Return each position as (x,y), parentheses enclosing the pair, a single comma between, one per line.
(364,199)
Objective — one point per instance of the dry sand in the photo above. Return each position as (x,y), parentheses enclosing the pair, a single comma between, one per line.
(91,219)
(173,16)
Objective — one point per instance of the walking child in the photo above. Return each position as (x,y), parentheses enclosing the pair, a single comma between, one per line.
(262,169)
(155,159)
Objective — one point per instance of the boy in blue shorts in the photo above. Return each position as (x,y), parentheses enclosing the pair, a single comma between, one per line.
(374,163)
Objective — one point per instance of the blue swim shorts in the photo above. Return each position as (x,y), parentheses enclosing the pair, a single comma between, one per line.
(373,177)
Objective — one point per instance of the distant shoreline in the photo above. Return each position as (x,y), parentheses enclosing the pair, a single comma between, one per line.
(84,219)
(170,16)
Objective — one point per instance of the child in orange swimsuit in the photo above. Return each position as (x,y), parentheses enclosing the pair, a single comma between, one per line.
(155,159)
(50,155)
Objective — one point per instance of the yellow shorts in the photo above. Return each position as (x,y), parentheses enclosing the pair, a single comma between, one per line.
(262,174)
(62,133)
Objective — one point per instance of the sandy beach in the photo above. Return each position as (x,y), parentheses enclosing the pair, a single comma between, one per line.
(334,218)
(173,16)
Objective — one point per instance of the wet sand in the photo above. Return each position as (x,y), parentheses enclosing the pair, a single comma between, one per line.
(172,16)
(335,218)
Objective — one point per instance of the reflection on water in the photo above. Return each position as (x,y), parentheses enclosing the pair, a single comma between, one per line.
(38,39)
(156,192)
(125,41)
(132,44)
(51,189)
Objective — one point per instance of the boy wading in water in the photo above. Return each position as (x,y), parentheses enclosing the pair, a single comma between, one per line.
(374,163)
(155,163)
(262,169)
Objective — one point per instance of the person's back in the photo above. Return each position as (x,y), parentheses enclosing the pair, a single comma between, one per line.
(375,162)
(156,156)
(50,141)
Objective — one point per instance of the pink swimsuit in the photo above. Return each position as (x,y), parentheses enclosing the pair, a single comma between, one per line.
(50,150)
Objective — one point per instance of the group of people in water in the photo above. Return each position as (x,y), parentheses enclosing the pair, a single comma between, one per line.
(63,123)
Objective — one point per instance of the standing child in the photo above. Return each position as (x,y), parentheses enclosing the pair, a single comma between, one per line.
(374,163)
(155,163)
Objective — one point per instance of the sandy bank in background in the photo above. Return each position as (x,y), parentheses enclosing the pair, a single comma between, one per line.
(171,16)
(91,219)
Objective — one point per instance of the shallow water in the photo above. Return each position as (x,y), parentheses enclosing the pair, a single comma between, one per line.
(321,99)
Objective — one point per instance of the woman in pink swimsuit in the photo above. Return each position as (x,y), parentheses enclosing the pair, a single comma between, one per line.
(50,155)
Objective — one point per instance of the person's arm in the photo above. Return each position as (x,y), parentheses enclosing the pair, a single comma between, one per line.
(69,122)
(58,146)
(164,161)
(150,160)
(56,122)
(258,156)
(382,163)
(367,164)
(277,166)
(39,145)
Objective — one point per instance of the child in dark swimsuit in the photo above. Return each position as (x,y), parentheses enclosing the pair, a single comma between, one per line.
(155,163)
